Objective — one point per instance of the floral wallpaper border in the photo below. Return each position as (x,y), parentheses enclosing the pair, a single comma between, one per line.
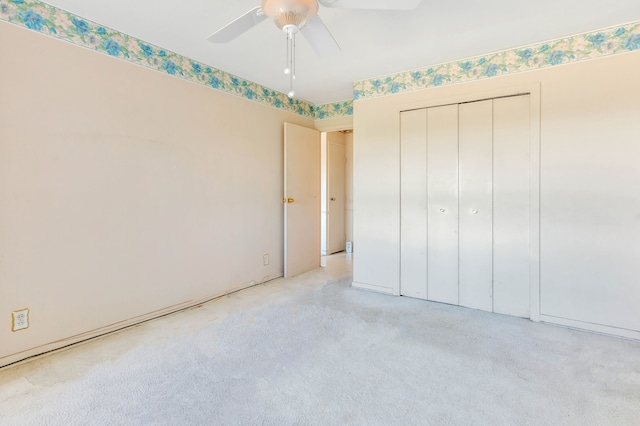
(590,45)
(335,109)
(49,20)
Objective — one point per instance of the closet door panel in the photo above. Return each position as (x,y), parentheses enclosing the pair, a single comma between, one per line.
(475,192)
(442,193)
(413,203)
(511,192)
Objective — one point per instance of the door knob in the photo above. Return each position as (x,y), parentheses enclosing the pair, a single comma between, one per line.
(474,211)
(333,198)
(441,210)
(287,200)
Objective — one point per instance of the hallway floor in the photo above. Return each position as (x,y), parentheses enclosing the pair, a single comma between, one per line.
(311,350)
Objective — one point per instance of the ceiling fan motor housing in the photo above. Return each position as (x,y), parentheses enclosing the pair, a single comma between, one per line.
(290,15)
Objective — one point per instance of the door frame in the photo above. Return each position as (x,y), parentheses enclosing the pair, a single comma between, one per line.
(533,90)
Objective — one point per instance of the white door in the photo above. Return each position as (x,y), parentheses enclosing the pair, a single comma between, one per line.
(442,200)
(301,199)
(476,209)
(335,198)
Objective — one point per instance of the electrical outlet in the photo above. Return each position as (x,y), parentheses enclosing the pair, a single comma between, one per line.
(20,320)
(265,259)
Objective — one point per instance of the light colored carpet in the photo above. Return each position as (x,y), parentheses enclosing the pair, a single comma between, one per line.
(313,351)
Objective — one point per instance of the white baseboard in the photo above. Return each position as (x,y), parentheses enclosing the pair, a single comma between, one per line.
(597,328)
(79,338)
(371,287)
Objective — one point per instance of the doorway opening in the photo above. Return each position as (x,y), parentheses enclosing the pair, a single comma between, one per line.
(336,192)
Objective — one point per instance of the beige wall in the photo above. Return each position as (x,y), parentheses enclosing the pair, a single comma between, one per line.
(589,203)
(125,192)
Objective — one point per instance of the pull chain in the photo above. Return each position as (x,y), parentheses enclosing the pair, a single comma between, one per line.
(290,67)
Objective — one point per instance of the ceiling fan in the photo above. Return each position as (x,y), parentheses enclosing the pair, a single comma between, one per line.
(293,16)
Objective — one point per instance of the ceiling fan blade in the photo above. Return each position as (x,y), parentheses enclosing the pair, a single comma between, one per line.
(239,26)
(372,4)
(319,37)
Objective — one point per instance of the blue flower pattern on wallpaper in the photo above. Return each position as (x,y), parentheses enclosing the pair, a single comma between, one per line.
(632,42)
(147,50)
(437,79)
(111,47)
(58,23)
(597,39)
(525,54)
(170,67)
(556,57)
(214,82)
(81,26)
(596,44)
(466,66)
(32,20)
(491,70)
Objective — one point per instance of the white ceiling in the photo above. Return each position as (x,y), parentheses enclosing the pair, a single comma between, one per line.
(373,43)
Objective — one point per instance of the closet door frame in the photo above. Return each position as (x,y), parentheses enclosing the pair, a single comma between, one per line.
(533,90)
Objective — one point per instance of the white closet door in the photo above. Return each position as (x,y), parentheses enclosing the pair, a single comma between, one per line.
(413,203)
(511,192)
(442,193)
(475,188)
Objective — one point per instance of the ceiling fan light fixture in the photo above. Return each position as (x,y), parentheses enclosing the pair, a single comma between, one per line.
(289,13)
